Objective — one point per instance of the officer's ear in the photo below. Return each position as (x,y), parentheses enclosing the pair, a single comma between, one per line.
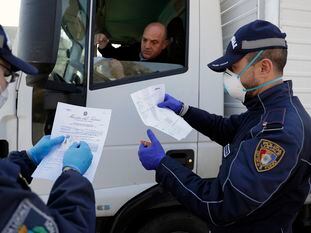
(264,67)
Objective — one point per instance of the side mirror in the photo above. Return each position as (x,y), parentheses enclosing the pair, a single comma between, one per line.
(38,34)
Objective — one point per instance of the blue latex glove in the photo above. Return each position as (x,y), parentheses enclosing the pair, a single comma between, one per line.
(151,155)
(78,157)
(171,103)
(43,147)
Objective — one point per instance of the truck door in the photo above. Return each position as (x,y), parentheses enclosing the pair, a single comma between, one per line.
(124,23)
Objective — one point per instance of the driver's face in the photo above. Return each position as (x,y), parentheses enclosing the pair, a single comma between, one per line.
(153,42)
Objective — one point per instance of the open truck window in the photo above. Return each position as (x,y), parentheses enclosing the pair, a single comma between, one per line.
(123,23)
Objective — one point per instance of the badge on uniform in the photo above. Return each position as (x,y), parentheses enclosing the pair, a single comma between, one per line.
(267,155)
(28,218)
(226,150)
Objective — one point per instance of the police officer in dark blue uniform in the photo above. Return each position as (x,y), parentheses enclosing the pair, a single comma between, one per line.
(265,174)
(71,204)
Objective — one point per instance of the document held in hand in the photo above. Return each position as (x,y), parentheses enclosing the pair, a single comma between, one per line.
(76,124)
(163,119)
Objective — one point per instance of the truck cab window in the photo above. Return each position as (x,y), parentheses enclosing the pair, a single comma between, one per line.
(134,43)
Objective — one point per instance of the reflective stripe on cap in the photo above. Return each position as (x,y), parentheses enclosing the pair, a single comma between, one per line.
(262,43)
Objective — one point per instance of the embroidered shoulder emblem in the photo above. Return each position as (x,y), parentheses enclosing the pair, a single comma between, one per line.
(28,218)
(267,155)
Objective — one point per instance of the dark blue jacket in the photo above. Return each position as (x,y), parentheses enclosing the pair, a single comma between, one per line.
(131,53)
(264,178)
(70,208)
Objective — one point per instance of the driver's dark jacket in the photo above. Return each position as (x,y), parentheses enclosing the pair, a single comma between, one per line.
(131,53)
(265,174)
(70,206)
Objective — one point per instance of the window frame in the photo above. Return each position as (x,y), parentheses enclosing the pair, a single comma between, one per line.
(145,77)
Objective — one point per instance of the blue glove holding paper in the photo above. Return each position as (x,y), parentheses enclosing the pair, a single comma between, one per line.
(78,157)
(43,147)
(171,103)
(151,154)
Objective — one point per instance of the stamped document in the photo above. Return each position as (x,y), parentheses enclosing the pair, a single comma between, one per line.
(163,119)
(76,124)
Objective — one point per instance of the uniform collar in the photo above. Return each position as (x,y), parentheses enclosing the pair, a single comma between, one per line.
(269,96)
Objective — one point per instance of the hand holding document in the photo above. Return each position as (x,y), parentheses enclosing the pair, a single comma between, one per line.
(163,119)
(76,124)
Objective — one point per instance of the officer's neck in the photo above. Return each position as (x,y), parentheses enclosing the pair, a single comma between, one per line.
(268,86)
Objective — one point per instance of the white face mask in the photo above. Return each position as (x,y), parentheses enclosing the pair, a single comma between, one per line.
(3,96)
(233,85)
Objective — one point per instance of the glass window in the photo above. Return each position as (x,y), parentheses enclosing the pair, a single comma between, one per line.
(70,66)
(69,70)
(137,40)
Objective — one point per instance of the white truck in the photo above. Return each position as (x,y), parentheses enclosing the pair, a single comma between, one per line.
(57,37)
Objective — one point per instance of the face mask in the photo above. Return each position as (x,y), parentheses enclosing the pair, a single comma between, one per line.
(232,81)
(3,96)
(233,85)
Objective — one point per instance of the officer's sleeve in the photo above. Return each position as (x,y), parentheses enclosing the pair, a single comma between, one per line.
(121,53)
(217,128)
(109,51)
(21,159)
(72,203)
(70,208)
(258,169)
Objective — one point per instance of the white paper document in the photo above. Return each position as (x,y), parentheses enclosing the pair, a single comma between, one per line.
(76,124)
(163,119)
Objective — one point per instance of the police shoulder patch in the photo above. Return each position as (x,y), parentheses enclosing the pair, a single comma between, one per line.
(28,218)
(268,154)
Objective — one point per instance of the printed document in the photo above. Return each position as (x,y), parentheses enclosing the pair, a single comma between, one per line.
(76,124)
(163,119)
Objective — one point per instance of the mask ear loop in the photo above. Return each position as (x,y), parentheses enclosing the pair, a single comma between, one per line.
(264,84)
(258,57)
(251,62)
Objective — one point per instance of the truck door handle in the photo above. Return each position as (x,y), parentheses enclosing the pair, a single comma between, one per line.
(185,157)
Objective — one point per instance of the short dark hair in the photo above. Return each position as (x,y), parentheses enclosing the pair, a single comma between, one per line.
(278,57)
